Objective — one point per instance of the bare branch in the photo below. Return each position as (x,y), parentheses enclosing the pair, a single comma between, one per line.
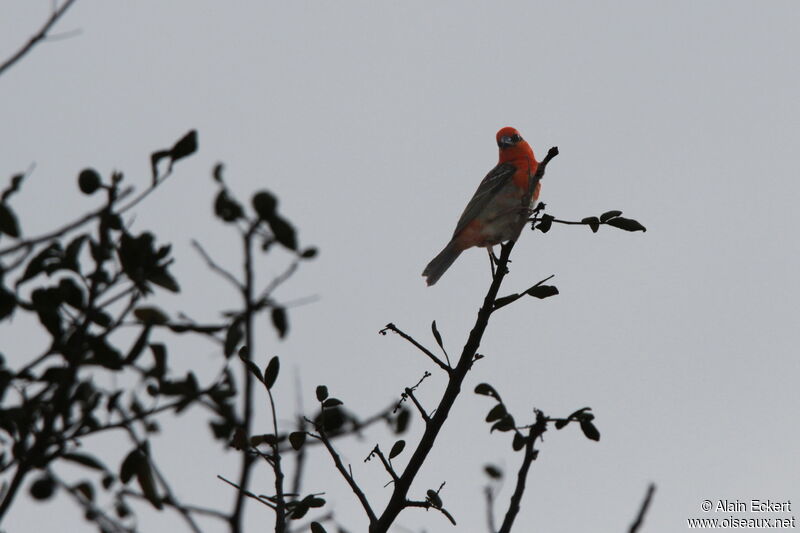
(441,364)
(643,509)
(534,433)
(427,505)
(423,414)
(37,37)
(215,267)
(247,493)
(386,464)
(346,475)
(30,243)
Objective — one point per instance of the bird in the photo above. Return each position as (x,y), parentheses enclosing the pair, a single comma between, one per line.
(500,206)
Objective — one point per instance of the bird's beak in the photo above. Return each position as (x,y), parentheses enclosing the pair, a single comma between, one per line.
(505,141)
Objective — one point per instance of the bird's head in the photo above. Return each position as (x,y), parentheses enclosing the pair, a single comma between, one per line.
(512,146)
(508,137)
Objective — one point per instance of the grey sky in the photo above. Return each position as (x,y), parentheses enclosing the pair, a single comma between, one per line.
(374,122)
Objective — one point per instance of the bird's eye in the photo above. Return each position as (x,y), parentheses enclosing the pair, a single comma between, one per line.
(516,138)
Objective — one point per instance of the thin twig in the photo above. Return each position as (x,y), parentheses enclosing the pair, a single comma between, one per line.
(427,505)
(247,400)
(346,475)
(280,501)
(530,454)
(490,508)
(30,243)
(196,509)
(215,267)
(386,464)
(643,509)
(37,37)
(247,493)
(419,407)
(441,364)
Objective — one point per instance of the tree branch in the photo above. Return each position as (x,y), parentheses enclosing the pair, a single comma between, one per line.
(643,509)
(441,364)
(534,433)
(456,377)
(386,464)
(215,267)
(346,475)
(37,37)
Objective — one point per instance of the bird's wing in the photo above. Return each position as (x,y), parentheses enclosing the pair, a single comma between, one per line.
(489,187)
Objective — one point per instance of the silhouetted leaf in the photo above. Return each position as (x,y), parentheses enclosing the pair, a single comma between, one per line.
(560,423)
(331,402)
(505,300)
(8,302)
(8,221)
(89,181)
(217,173)
(487,390)
(271,372)
(268,438)
(519,441)
(150,315)
(322,393)
(545,223)
(264,204)
(628,224)
(493,471)
(159,359)
(434,498)
(332,419)
(71,293)
(297,439)
(309,253)
(584,412)
(397,448)
(86,489)
(504,424)
(147,482)
(129,465)
(43,488)
(437,335)
(45,303)
(592,222)
(542,291)
(497,412)
(589,430)
(164,279)
(316,527)
(13,186)
(185,146)
(85,460)
(608,215)
(299,511)
(233,337)
(314,501)
(402,420)
(227,208)
(283,231)
(72,251)
(48,260)
(280,320)
(244,355)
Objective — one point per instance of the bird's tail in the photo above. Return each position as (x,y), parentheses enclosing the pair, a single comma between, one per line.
(441,262)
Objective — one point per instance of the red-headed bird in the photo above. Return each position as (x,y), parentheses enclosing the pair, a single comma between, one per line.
(499,207)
